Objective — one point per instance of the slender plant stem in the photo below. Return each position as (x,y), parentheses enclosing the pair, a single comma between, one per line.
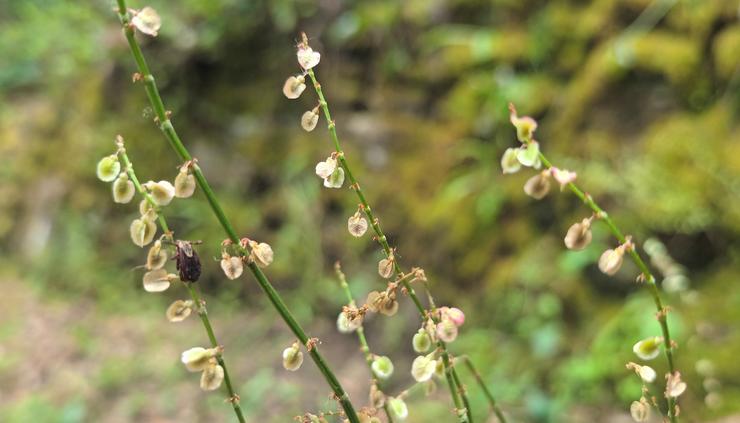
(457,391)
(478,378)
(233,397)
(364,346)
(648,277)
(165,125)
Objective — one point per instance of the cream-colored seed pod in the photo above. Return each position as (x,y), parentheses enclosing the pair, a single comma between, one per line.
(123,189)
(184,184)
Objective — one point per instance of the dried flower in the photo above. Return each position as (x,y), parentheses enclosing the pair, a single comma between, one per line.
(307,58)
(179,310)
(336,179)
(184,183)
(382,302)
(310,119)
(294,86)
(386,266)
(398,408)
(108,168)
(357,224)
(564,177)
(529,154)
(326,168)
(454,314)
(156,280)
(538,186)
(647,374)
(674,387)
(292,357)
(579,235)
(156,257)
(382,367)
(648,348)
(212,377)
(123,189)
(525,125)
(147,21)
(232,266)
(423,367)
(446,330)
(510,162)
(377,397)
(347,325)
(640,410)
(142,231)
(611,260)
(261,253)
(421,341)
(197,359)
(162,192)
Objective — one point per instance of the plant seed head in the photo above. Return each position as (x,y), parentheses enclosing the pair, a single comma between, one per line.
(307,58)
(108,168)
(579,235)
(212,376)
(648,348)
(423,367)
(538,186)
(147,21)
(184,184)
(123,189)
(398,408)
(162,192)
(232,266)
(179,310)
(357,225)
(142,231)
(382,367)
(510,162)
(310,119)
(640,410)
(294,86)
(156,280)
(197,359)
(292,357)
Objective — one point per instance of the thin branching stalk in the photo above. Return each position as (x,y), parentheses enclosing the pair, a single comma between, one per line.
(489,396)
(364,346)
(647,277)
(457,390)
(165,125)
(233,397)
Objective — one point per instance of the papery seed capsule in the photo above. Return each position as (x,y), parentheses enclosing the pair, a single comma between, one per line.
(156,280)
(187,260)
(162,192)
(611,260)
(336,179)
(310,119)
(389,307)
(529,154)
(261,253)
(212,377)
(347,325)
(357,225)
(179,310)
(382,367)
(294,86)
(674,387)
(423,367)
(142,231)
(579,235)
(640,410)
(156,257)
(292,358)
(147,21)
(385,267)
(647,374)
(648,348)
(398,408)
(123,189)
(308,58)
(326,168)
(421,341)
(446,330)
(184,184)
(232,266)
(538,186)
(509,161)
(108,168)
(373,301)
(146,208)
(564,177)
(197,359)
(454,314)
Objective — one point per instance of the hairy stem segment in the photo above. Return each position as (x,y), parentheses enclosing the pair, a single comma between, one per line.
(165,125)
(647,277)
(489,396)
(457,391)
(197,300)
(364,346)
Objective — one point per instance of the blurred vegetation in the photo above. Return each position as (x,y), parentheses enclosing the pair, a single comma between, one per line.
(640,96)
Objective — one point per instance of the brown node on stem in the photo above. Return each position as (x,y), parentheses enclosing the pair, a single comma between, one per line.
(234,399)
(311,343)
(136,77)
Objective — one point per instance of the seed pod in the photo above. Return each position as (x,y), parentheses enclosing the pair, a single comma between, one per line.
(294,86)
(398,408)
(184,184)
(179,310)
(197,359)
(108,168)
(421,341)
(529,154)
(187,260)
(162,192)
(611,260)
(640,410)
(564,177)
(310,119)
(147,21)
(423,367)
(647,374)
(382,367)
(336,179)
(357,225)
(212,377)
(579,235)
(232,266)
(142,231)
(156,257)
(389,307)
(538,186)
(156,280)
(308,58)
(146,208)
(347,325)
(674,387)
(509,161)
(326,168)
(385,267)
(525,125)
(648,348)
(454,314)
(446,330)
(261,253)
(292,358)
(123,189)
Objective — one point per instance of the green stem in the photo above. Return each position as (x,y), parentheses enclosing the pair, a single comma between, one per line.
(478,378)
(233,398)
(648,277)
(364,346)
(165,125)
(456,391)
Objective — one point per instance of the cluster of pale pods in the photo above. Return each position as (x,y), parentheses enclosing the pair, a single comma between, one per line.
(579,237)
(448,319)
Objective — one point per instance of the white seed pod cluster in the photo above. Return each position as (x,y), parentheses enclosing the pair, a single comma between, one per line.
(382,302)
(423,367)
(204,360)
(162,192)
(330,172)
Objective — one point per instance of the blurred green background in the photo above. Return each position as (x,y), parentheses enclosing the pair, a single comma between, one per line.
(641,97)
